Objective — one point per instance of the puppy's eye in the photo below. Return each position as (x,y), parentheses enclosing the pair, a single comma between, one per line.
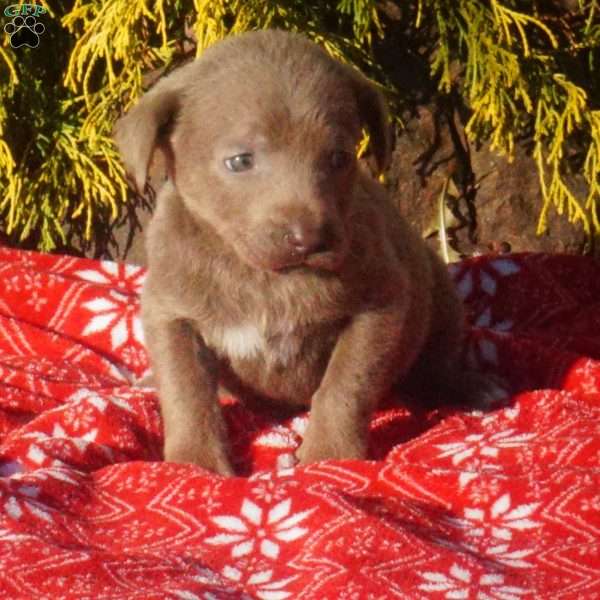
(240,162)
(340,159)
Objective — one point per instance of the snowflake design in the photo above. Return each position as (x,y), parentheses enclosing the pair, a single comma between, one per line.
(268,492)
(591,504)
(262,582)
(128,278)
(256,527)
(34,284)
(480,445)
(80,416)
(35,281)
(490,532)
(25,501)
(135,357)
(460,584)
(269,489)
(58,474)
(485,278)
(12,284)
(118,314)
(81,442)
(484,282)
(209,497)
(36,301)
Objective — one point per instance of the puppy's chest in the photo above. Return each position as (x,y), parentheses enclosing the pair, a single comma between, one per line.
(248,340)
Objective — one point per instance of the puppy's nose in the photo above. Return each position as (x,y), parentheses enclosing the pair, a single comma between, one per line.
(309,239)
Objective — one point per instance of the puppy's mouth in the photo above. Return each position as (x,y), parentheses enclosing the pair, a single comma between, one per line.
(282,262)
(328,261)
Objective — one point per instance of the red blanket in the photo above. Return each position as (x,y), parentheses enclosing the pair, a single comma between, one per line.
(502,505)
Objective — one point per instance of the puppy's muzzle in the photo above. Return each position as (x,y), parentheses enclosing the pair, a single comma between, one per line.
(315,245)
(305,240)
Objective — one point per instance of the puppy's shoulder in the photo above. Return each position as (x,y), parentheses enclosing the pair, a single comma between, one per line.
(400,266)
(379,219)
(172,242)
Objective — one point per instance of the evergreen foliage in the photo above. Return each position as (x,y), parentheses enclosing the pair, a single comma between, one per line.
(526,72)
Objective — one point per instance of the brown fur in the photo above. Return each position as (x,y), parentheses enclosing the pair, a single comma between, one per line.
(329,323)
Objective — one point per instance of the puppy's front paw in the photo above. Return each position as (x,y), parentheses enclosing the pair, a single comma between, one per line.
(211,458)
(320,444)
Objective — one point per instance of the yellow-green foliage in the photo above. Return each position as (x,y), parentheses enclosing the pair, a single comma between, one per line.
(61,178)
(62,174)
(515,77)
(51,174)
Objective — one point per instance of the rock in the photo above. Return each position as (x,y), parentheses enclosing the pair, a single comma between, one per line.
(508,204)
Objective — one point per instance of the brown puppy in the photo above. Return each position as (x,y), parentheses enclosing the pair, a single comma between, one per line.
(277,266)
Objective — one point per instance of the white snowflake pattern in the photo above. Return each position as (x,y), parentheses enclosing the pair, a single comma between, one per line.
(187,595)
(485,277)
(63,443)
(261,581)
(34,284)
(36,281)
(115,275)
(135,357)
(12,284)
(491,531)
(460,584)
(116,313)
(271,490)
(485,280)
(591,504)
(24,500)
(482,445)
(81,442)
(209,497)
(257,527)
(81,415)
(36,301)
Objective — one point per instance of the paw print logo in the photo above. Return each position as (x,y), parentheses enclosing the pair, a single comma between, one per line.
(24,31)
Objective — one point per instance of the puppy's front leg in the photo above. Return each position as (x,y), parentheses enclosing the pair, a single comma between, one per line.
(375,348)
(186,373)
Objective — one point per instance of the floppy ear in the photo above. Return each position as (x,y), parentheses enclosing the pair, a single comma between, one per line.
(373,112)
(138,133)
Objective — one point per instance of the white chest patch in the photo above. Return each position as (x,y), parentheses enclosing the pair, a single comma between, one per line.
(242,341)
(246,341)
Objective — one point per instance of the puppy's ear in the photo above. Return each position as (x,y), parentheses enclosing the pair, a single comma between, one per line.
(373,111)
(139,132)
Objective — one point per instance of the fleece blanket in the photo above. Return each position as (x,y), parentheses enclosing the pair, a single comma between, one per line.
(453,503)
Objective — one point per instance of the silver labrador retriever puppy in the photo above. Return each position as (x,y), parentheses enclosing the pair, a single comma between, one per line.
(277,265)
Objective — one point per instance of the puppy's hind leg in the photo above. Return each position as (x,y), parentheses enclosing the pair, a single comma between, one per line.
(439,375)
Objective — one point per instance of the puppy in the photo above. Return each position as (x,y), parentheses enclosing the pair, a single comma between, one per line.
(277,265)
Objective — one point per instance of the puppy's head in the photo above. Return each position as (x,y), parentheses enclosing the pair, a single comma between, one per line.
(262,145)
